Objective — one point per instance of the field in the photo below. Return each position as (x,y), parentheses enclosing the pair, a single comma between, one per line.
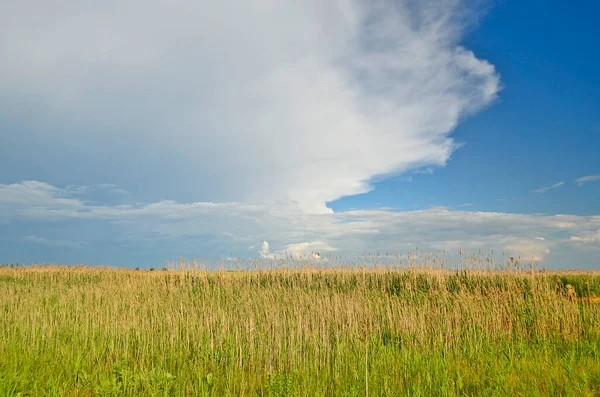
(354,331)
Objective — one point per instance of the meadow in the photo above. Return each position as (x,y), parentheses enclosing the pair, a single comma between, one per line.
(310,330)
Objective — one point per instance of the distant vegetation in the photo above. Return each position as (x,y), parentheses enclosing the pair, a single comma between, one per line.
(355,331)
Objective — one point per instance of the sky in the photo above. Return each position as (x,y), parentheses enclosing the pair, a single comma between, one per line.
(134,132)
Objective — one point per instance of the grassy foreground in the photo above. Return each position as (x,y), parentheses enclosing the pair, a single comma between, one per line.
(378,332)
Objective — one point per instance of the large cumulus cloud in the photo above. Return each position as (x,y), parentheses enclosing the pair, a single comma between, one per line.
(256,101)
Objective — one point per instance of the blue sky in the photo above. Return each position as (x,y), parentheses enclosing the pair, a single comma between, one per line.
(543,129)
(218,132)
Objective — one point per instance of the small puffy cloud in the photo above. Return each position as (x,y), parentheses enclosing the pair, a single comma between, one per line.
(586,179)
(550,187)
(265,251)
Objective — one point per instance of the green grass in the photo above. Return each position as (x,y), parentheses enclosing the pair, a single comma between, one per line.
(305,332)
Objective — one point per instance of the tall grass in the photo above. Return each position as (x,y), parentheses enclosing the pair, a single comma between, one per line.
(298,331)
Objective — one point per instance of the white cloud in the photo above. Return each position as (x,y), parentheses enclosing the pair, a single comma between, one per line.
(314,248)
(248,101)
(554,240)
(303,251)
(588,237)
(528,249)
(26,199)
(550,187)
(265,251)
(585,179)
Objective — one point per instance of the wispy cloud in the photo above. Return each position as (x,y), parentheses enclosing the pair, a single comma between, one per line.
(586,179)
(54,243)
(284,227)
(425,171)
(546,188)
(112,189)
(588,237)
(305,248)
